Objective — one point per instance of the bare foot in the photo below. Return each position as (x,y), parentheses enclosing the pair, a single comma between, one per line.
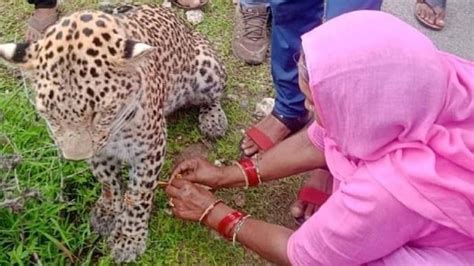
(431,13)
(272,127)
(39,22)
(191,4)
(319,179)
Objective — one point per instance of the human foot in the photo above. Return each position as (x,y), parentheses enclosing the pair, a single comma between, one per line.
(269,131)
(274,130)
(431,13)
(314,192)
(189,4)
(42,18)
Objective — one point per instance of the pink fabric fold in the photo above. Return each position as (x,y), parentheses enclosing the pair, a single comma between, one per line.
(392,103)
(316,135)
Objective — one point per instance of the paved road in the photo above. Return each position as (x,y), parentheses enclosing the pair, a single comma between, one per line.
(458,35)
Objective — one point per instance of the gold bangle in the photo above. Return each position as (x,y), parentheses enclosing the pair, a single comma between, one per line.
(243,173)
(209,209)
(257,169)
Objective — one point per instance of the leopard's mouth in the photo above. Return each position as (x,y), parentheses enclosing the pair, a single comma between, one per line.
(76,145)
(77,156)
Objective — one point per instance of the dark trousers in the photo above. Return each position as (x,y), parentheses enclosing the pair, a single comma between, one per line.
(43,3)
(291,19)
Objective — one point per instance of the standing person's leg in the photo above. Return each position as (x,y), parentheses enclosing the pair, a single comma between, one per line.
(44,16)
(250,38)
(290,19)
(335,8)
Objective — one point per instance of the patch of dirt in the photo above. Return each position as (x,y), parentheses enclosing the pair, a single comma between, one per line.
(191,151)
(9,162)
(270,201)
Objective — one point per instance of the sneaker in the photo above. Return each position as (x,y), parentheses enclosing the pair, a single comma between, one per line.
(250,40)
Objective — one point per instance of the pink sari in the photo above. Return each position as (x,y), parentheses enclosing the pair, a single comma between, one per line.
(397,112)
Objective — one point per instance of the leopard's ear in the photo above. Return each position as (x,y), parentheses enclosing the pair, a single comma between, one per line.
(134,51)
(18,54)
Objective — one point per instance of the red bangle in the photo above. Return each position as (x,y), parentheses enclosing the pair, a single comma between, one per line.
(228,220)
(250,171)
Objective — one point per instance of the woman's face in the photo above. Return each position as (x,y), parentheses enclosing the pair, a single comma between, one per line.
(304,87)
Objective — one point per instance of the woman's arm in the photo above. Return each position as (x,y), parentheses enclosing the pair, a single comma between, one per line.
(294,155)
(189,202)
(254,234)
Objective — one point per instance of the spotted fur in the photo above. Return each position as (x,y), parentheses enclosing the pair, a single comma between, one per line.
(104,83)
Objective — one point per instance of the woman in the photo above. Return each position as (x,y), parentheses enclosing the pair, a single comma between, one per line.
(395,127)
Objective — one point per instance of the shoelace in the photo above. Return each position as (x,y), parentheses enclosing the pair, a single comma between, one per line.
(254,24)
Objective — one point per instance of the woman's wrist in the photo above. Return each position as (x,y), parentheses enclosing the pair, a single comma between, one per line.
(216,215)
(232,177)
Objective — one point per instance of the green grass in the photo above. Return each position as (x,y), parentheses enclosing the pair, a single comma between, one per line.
(55,230)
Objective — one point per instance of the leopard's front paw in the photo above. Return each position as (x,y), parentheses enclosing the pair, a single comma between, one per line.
(213,121)
(126,248)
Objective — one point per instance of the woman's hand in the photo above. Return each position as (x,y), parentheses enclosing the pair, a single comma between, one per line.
(200,171)
(189,201)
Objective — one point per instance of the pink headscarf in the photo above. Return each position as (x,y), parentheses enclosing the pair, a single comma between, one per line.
(391,102)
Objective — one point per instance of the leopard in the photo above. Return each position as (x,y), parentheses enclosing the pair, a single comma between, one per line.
(105,83)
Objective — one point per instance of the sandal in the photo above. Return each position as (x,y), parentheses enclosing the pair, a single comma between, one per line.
(438,7)
(264,142)
(177,3)
(310,195)
(37,25)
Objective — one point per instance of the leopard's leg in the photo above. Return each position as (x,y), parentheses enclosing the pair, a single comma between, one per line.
(128,239)
(211,79)
(107,171)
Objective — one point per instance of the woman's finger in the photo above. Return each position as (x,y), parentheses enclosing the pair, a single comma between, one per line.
(171,202)
(177,204)
(190,176)
(176,212)
(186,166)
(179,183)
(172,191)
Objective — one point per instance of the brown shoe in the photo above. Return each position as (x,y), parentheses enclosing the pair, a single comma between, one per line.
(250,40)
(39,22)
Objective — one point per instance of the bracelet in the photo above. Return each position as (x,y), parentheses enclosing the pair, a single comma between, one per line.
(257,169)
(209,209)
(228,220)
(243,173)
(237,227)
(250,172)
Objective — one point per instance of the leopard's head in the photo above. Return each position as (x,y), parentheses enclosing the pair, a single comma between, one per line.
(84,76)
